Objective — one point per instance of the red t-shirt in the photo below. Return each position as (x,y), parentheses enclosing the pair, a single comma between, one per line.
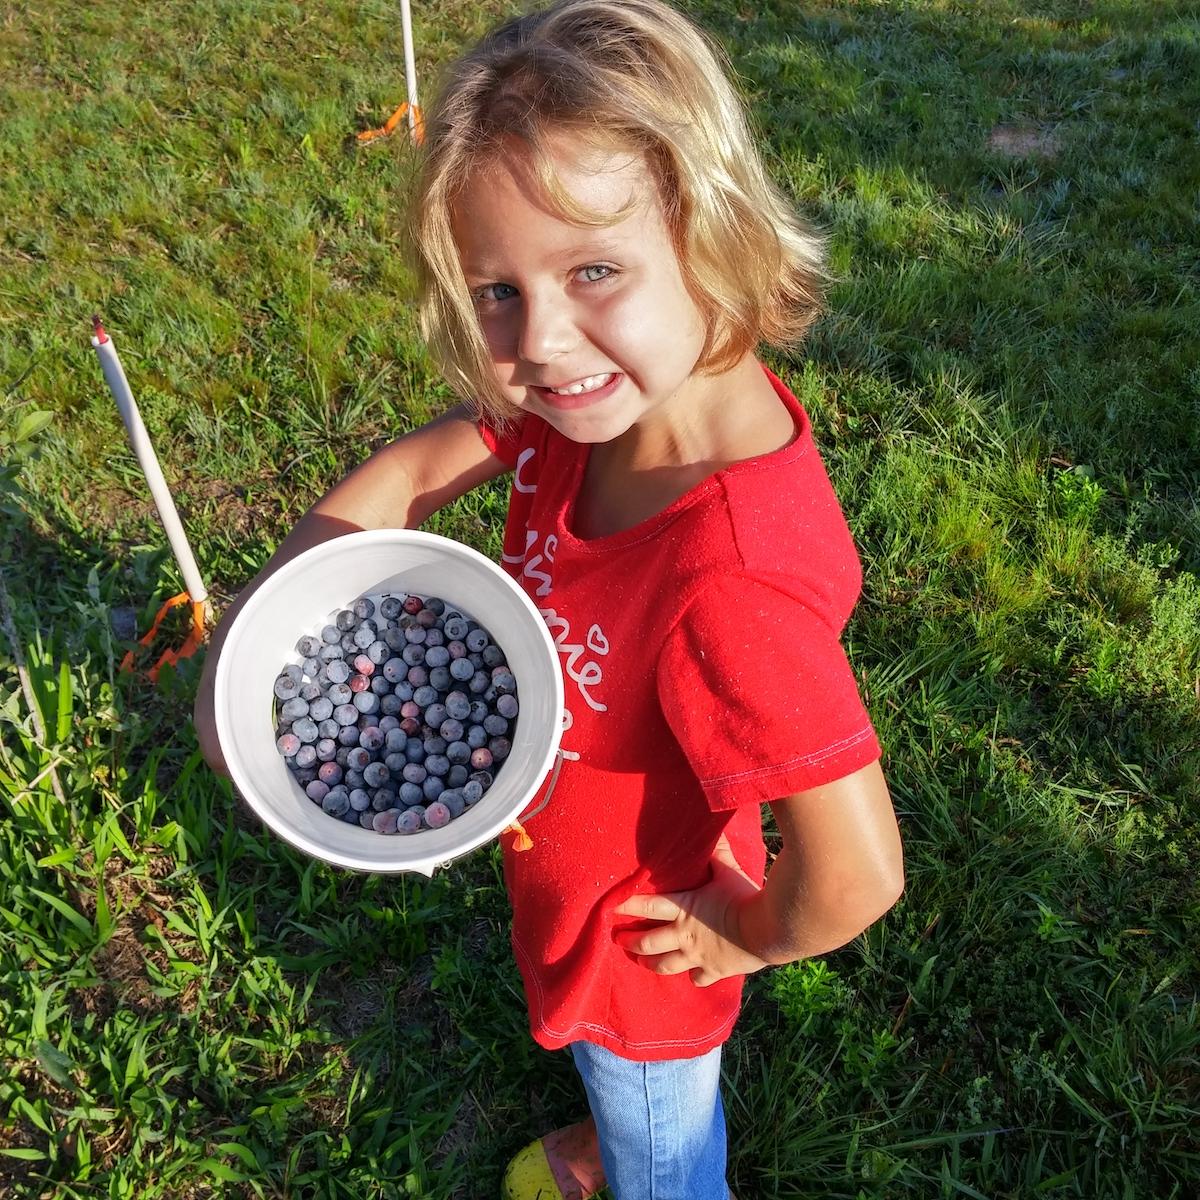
(703,676)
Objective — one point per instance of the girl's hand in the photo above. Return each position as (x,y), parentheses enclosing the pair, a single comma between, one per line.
(700,930)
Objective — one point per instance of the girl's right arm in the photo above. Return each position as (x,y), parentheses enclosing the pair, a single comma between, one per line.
(400,485)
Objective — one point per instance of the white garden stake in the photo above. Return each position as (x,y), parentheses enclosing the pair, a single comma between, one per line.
(196,592)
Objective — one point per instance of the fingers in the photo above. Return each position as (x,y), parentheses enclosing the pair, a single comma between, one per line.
(655,908)
(642,942)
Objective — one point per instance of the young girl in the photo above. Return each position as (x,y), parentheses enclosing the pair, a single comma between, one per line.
(601,251)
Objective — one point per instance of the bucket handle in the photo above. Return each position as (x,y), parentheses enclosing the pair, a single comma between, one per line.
(522,840)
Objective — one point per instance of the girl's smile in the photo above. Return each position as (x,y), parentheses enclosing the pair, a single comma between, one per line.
(589,326)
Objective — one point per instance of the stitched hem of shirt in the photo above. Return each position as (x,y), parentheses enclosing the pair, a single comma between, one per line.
(567,1035)
(812,759)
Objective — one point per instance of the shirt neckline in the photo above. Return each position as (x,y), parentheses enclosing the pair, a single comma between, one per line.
(643,530)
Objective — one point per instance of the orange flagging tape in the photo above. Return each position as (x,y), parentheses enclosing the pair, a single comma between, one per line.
(521,840)
(192,642)
(369,135)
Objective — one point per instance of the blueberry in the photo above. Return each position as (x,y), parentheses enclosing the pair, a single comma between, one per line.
(331,654)
(348,734)
(482,758)
(410,708)
(495,724)
(426,618)
(410,793)
(454,800)
(493,656)
(435,714)
(338,671)
(353,778)
(437,764)
(340,693)
(364,609)
(396,762)
(366,702)
(317,791)
(394,670)
(418,676)
(507,706)
(326,750)
(477,639)
(309,692)
(413,605)
(479,710)
(305,729)
(414,635)
(358,758)
(440,678)
(451,730)
(476,736)
(437,816)
(479,683)
(483,778)
(437,656)
(385,822)
(424,696)
(286,688)
(500,747)
(390,608)
(330,773)
(504,682)
(360,800)
(472,791)
(394,638)
(312,666)
(404,691)
(461,670)
(433,787)
(436,605)
(365,635)
(414,773)
(394,739)
(321,708)
(434,637)
(288,744)
(363,665)
(408,821)
(414,750)
(457,752)
(381,687)
(458,706)
(345,620)
(328,728)
(306,757)
(388,724)
(435,745)
(367,819)
(456,628)
(458,650)
(308,646)
(346,714)
(305,776)
(375,774)
(371,738)
(384,799)
(389,706)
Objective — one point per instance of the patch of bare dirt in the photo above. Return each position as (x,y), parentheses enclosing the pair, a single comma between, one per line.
(1025,140)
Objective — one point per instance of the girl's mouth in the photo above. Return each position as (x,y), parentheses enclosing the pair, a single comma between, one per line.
(590,391)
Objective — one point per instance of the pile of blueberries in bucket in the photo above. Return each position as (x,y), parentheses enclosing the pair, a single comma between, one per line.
(398,715)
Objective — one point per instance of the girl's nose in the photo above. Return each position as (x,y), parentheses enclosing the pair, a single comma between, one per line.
(547,329)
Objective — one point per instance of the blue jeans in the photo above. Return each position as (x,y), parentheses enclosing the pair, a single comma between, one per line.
(661,1124)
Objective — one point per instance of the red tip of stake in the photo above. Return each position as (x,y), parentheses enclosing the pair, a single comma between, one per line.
(101,336)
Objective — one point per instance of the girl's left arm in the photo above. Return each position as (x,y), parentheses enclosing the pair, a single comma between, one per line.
(840,869)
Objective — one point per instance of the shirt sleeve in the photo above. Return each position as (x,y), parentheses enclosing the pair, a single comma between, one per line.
(759,694)
(503,442)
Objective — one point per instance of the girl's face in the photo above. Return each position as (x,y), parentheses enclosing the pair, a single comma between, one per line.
(590,328)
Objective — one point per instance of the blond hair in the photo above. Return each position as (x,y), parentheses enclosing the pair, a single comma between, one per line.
(631,74)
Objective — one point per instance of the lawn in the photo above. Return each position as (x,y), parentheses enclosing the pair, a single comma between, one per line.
(1006,389)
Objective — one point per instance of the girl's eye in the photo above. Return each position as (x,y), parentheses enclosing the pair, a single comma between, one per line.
(595,272)
(493,293)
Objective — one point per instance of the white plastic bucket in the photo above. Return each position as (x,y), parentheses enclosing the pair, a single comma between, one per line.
(298,599)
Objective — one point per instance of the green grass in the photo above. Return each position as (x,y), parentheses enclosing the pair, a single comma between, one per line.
(1007,391)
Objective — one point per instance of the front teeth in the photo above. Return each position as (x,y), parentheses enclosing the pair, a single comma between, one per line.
(590,384)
